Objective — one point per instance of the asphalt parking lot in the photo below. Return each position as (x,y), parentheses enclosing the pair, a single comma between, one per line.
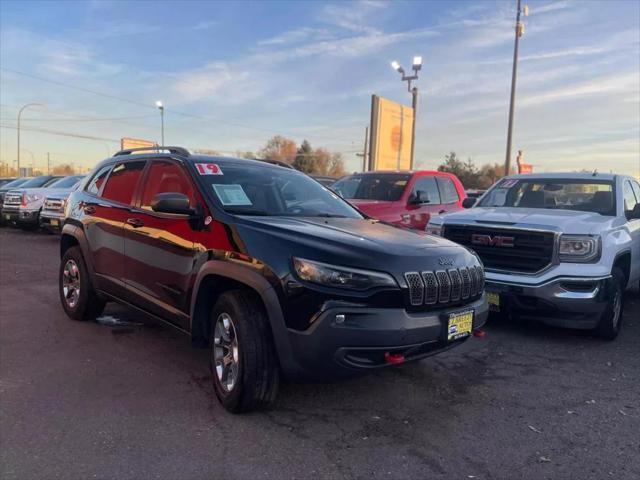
(86,400)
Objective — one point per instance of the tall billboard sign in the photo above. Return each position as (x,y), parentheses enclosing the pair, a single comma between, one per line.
(127,143)
(391,130)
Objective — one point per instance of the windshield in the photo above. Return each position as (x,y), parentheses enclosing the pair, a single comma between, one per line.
(36,182)
(252,189)
(570,194)
(385,187)
(15,183)
(66,182)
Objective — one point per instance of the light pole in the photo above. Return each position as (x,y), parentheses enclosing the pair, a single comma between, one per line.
(514,74)
(417,65)
(161,107)
(19,117)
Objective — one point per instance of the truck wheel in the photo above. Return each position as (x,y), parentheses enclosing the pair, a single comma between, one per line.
(611,320)
(77,296)
(243,360)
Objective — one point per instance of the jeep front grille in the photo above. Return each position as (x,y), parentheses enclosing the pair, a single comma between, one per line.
(444,286)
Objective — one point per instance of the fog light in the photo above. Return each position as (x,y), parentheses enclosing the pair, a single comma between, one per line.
(340,318)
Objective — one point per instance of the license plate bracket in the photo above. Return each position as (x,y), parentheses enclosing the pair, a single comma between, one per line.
(459,325)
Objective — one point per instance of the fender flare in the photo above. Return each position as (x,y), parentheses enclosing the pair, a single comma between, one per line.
(77,233)
(269,298)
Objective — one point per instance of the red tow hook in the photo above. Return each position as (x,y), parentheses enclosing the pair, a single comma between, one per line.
(394,358)
(479,333)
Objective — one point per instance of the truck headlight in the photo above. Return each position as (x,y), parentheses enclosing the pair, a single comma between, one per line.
(579,248)
(433,229)
(30,197)
(340,277)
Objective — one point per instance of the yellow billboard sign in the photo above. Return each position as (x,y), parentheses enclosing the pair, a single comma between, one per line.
(391,130)
(126,143)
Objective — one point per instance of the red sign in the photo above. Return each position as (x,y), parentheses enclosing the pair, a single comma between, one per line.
(208,169)
(525,168)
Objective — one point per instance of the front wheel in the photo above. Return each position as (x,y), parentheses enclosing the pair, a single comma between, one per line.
(243,360)
(77,296)
(611,319)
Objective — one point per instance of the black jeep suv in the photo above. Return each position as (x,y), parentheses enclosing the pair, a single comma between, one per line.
(271,270)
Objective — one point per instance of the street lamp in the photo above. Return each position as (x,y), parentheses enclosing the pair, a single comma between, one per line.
(19,117)
(417,65)
(161,107)
(519,32)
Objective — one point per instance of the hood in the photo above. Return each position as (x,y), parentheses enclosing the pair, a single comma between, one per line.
(352,242)
(58,193)
(566,221)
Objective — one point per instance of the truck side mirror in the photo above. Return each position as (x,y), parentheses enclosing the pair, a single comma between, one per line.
(635,213)
(468,202)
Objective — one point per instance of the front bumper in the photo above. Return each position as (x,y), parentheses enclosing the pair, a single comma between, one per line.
(51,220)
(569,302)
(20,216)
(331,348)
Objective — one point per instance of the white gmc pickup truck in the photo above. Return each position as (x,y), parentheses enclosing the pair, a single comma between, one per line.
(561,248)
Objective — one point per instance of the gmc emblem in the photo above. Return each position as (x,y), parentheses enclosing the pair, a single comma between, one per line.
(489,241)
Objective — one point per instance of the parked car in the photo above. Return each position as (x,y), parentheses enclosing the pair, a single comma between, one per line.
(5,188)
(560,248)
(274,283)
(402,198)
(324,180)
(5,180)
(54,203)
(22,205)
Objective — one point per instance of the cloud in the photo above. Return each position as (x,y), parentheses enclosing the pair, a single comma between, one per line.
(353,16)
(297,35)
(206,24)
(551,7)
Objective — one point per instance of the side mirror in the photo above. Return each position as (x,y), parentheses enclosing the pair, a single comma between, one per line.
(172,202)
(469,202)
(420,197)
(635,213)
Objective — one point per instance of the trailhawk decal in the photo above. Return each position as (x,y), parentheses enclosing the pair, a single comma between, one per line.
(208,169)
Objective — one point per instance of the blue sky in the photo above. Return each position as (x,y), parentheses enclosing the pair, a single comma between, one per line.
(233,74)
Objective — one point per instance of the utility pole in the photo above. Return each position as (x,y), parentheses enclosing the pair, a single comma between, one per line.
(514,74)
(365,154)
(160,106)
(48,164)
(414,105)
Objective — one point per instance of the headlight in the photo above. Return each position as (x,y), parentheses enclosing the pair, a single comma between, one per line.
(579,248)
(434,229)
(340,277)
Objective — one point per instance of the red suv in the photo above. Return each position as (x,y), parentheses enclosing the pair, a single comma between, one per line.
(403,198)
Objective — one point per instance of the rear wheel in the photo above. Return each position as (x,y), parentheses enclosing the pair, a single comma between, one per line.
(243,360)
(77,296)
(611,319)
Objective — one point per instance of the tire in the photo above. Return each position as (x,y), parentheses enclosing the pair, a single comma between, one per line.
(611,319)
(77,296)
(242,357)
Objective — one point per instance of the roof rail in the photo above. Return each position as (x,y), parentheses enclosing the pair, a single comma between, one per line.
(183,152)
(279,163)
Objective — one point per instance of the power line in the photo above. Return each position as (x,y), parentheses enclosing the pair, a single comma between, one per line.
(63,134)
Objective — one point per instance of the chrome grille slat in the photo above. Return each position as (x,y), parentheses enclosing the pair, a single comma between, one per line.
(456,285)
(466,282)
(431,287)
(445,286)
(416,288)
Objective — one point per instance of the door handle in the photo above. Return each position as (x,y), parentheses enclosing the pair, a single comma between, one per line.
(89,209)
(135,222)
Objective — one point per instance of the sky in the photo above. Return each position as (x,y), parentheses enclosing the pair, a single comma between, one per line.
(231,75)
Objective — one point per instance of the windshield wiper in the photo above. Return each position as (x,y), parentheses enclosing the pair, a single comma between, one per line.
(238,211)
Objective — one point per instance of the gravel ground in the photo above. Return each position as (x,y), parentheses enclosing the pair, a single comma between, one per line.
(85,400)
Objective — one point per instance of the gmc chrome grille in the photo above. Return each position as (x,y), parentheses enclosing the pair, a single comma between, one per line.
(12,199)
(444,286)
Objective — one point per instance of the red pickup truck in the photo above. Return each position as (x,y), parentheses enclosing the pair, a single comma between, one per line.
(407,198)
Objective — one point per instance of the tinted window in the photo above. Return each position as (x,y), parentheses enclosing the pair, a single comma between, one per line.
(562,194)
(36,182)
(384,186)
(122,182)
(15,183)
(448,192)
(165,177)
(256,189)
(97,181)
(629,197)
(428,185)
(636,189)
(65,182)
